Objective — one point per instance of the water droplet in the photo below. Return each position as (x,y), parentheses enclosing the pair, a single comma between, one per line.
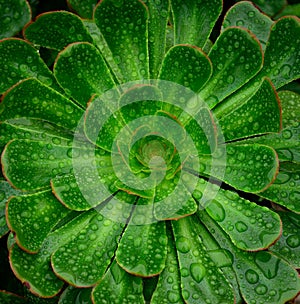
(216,211)
(173,296)
(197,271)
(251,14)
(251,276)
(261,289)
(241,226)
(293,241)
(183,244)
(184,272)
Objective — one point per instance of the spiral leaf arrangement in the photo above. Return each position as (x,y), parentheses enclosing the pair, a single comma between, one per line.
(152,164)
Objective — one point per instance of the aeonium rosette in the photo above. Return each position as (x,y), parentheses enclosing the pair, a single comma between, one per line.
(136,156)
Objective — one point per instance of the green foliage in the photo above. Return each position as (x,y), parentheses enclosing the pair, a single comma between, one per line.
(150,162)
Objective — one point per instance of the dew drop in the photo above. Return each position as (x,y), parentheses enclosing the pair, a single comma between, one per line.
(217,212)
(183,244)
(197,272)
(261,289)
(251,276)
(293,241)
(173,296)
(241,226)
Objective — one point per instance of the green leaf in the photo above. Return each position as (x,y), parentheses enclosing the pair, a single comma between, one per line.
(143,247)
(200,278)
(270,7)
(285,190)
(55,30)
(282,55)
(128,43)
(19,60)
(100,42)
(288,246)
(292,9)
(84,9)
(33,129)
(286,143)
(290,102)
(72,295)
(157,27)
(250,168)
(14,15)
(244,14)
(31,218)
(85,190)
(194,22)
(236,57)
(187,66)
(8,298)
(250,226)
(175,203)
(6,191)
(258,115)
(31,99)
(35,169)
(262,277)
(77,69)
(221,257)
(35,270)
(118,286)
(83,260)
(168,286)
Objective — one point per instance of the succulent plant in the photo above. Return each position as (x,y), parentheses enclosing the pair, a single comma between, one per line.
(150,163)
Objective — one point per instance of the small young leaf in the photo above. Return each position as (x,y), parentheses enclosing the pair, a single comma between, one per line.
(193,22)
(55,30)
(119,287)
(128,43)
(245,14)
(14,15)
(236,57)
(82,72)
(31,218)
